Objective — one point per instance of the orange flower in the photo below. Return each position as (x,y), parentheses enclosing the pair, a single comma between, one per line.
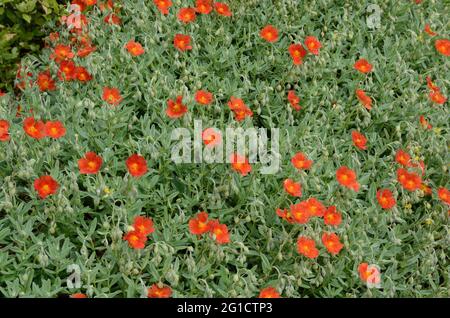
(386,198)
(294,100)
(444,195)
(269,33)
(89,2)
(85,50)
(143,225)
(332,216)
(269,292)
(431,85)
(359,140)
(112,19)
(300,212)
(211,137)
(222,9)
(219,232)
(297,53)
(186,15)
(134,48)
(313,44)
(66,71)
(203,97)
(4,130)
(240,164)
(307,247)
(428,30)
(403,158)
(159,292)
(78,295)
(369,274)
(163,5)
(33,128)
(137,165)
(176,109)
(203,6)
(62,52)
(314,207)
(332,243)
(45,82)
(135,239)
(238,107)
(443,46)
(347,177)
(364,99)
(409,181)
(82,74)
(437,97)
(293,188)
(425,124)
(285,214)
(301,161)
(111,96)
(45,186)
(363,66)
(199,224)
(182,42)
(90,164)
(54,129)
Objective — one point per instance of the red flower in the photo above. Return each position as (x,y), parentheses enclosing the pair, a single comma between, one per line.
(203,97)
(386,198)
(182,42)
(347,177)
(369,274)
(137,165)
(332,216)
(238,107)
(443,46)
(186,15)
(203,6)
(285,214)
(297,53)
(269,292)
(431,85)
(409,181)
(135,239)
(294,100)
(301,161)
(359,140)
(222,9)
(54,129)
(363,66)
(112,19)
(33,128)
(82,74)
(429,31)
(89,2)
(293,188)
(85,50)
(111,96)
(199,224)
(176,109)
(90,164)
(314,207)
(332,243)
(211,137)
(313,44)
(66,70)
(62,52)
(4,130)
(219,231)
(444,195)
(240,164)
(364,99)
(437,97)
(269,33)
(163,5)
(134,48)
(45,186)
(300,212)
(403,158)
(425,124)
(307,247)
(143,225)
(78,295)
(45,82)
(159,292)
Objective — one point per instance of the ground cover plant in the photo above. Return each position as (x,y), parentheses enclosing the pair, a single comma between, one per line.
(359,206)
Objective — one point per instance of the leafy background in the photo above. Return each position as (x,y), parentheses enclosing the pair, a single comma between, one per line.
(84,223)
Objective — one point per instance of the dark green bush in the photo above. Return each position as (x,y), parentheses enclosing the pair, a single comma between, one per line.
(21,31)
